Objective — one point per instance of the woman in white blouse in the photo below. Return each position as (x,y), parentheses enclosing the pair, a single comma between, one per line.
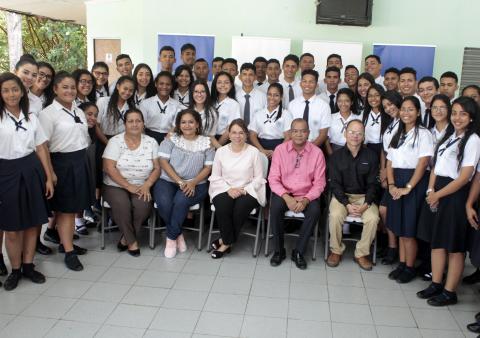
(236,187)
(131,166)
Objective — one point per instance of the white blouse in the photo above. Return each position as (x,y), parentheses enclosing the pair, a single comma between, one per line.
(268,126)
(107,123)
(159,116)
(228,110)
(411,149)
(336,133)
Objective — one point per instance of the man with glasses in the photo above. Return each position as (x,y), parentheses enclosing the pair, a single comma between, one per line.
(297,179)
(353,181)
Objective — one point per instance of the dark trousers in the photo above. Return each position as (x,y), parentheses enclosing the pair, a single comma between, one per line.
(278,207)
(231,214)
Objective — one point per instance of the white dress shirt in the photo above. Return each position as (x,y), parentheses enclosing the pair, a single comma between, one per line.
(159,116)
(408,153)
(319,116)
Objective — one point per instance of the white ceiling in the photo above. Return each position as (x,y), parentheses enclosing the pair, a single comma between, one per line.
(72,10)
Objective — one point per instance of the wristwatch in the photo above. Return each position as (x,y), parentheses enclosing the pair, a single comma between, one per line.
(409,186)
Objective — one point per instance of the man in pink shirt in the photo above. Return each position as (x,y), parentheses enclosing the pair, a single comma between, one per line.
(297,179)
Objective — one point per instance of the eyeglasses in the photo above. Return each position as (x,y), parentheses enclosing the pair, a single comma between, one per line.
(297,160)
(85,82)
(200,92)
(441,109)
(42,75)
(354,133)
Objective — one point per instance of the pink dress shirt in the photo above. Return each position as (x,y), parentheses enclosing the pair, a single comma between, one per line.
(307,180)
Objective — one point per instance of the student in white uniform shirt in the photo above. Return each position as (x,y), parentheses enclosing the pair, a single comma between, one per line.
(273,74)
(306,61)
(407,84)
(331,80)
(223,96)
(427,89)
(364,81)
(25,181)
(312,109)
(270,126)
(166,58)
(455,161)
(373,65)
(407,159)
(124,67)
(391,78)
(391,104)
(375,119)
(333,60)
(100,73)
(84,81)
(291,86)
(144,85)
(159,111)
(251,99)
(201,102)
(66,130)
(351,77)
(200,69)
(43,86)
(181,87)
(260,64)
(449,84)
(347,111)
(27,70)
(216,65)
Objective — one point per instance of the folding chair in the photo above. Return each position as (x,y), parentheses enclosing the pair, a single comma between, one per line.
(260,219)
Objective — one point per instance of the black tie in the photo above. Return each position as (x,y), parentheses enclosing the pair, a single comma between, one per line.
(269,117)
(162,110)
(18,124)
(259,83)
(332,103)
(74,115)
(375,120)
(426,117)
(291,96)
(246,110)
(305,111)
(448,145)
(100,93)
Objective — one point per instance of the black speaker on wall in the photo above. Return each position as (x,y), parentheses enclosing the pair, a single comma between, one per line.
(345,12)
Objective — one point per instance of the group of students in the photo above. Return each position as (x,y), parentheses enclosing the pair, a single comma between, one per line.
(147,137)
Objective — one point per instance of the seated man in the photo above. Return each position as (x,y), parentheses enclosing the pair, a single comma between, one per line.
(353,171)
(297,178)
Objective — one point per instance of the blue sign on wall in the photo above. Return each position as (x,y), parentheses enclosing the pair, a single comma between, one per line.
(421,58)
(205,46)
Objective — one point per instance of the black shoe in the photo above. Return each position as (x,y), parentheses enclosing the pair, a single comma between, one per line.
(134,253)
(474,327)
(72,262)
(121,247)
(477,317)
(3,267)
(407,275)
(299,260)
(278,257)
(434,289)
(76,237)
(42,249)
(35,276)
(78,250)
(398,270)
(51,235)
(473,278)
(219,254)
(443,299)
(12,280)
(390,257)
(215,244)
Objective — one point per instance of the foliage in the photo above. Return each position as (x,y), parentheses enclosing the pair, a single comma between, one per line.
(63,44)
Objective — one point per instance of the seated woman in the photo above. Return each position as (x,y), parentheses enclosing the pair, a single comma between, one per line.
(237,186)
(131,166)
(186,159)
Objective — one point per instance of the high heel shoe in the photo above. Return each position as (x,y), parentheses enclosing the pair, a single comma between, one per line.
(216,254)
(215,244)
(134,253)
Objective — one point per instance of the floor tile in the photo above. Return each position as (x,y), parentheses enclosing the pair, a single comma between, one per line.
(130,262)
(166,264)
(217,302)
(344,330)
(347,294)
(268,288)
(68,288)
(90,311)
(132,316)
(219,324)
(185,300)
(463,318)
(157,279)
(434,319)
(109,331)
(267,307)
(100,258)
(143,295)
(91,273)
(5,319)
(72,329)
(230,285)
(344,278)
(264,327)
(202,267)
(307,329)
(186,281)
(308,310)
(350,313)
(428,333)
(230,269)
(120,276)
(309,291)
(49,307)
(272,273)
(317,276)
(175,320)
(27,327)
(379,281)
(27,287)
(386,297)
(392,316)
(397,332)
(15,303)
(106,292)
(165,334)
(51,269)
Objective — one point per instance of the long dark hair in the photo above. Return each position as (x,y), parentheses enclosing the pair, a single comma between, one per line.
(101,64)
(444,98)
(369,78)
(24,102)
(351,96)
(211,113)
(150,90)
(279,87)
(471,107)
(178,71)
(48,91)
(231,92)
(394,143)
(77,74)
(196,117)
(384,117)
(112,109)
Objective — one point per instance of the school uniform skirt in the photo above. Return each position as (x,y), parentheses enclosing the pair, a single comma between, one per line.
(22,194)
(450,224)
(403,214)
(156,135)
(376,147)
(269,144)
(73,192)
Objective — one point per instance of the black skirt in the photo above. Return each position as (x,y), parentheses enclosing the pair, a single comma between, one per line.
(425,221)
(73,192)
(269,144)
(22,194)
(159,137)
(376,147)
(450,225)
(403,214)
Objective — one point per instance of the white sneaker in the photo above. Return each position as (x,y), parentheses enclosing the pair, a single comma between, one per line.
(170,248)
(181,245)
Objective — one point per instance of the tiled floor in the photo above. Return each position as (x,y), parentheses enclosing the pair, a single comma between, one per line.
(238,296)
